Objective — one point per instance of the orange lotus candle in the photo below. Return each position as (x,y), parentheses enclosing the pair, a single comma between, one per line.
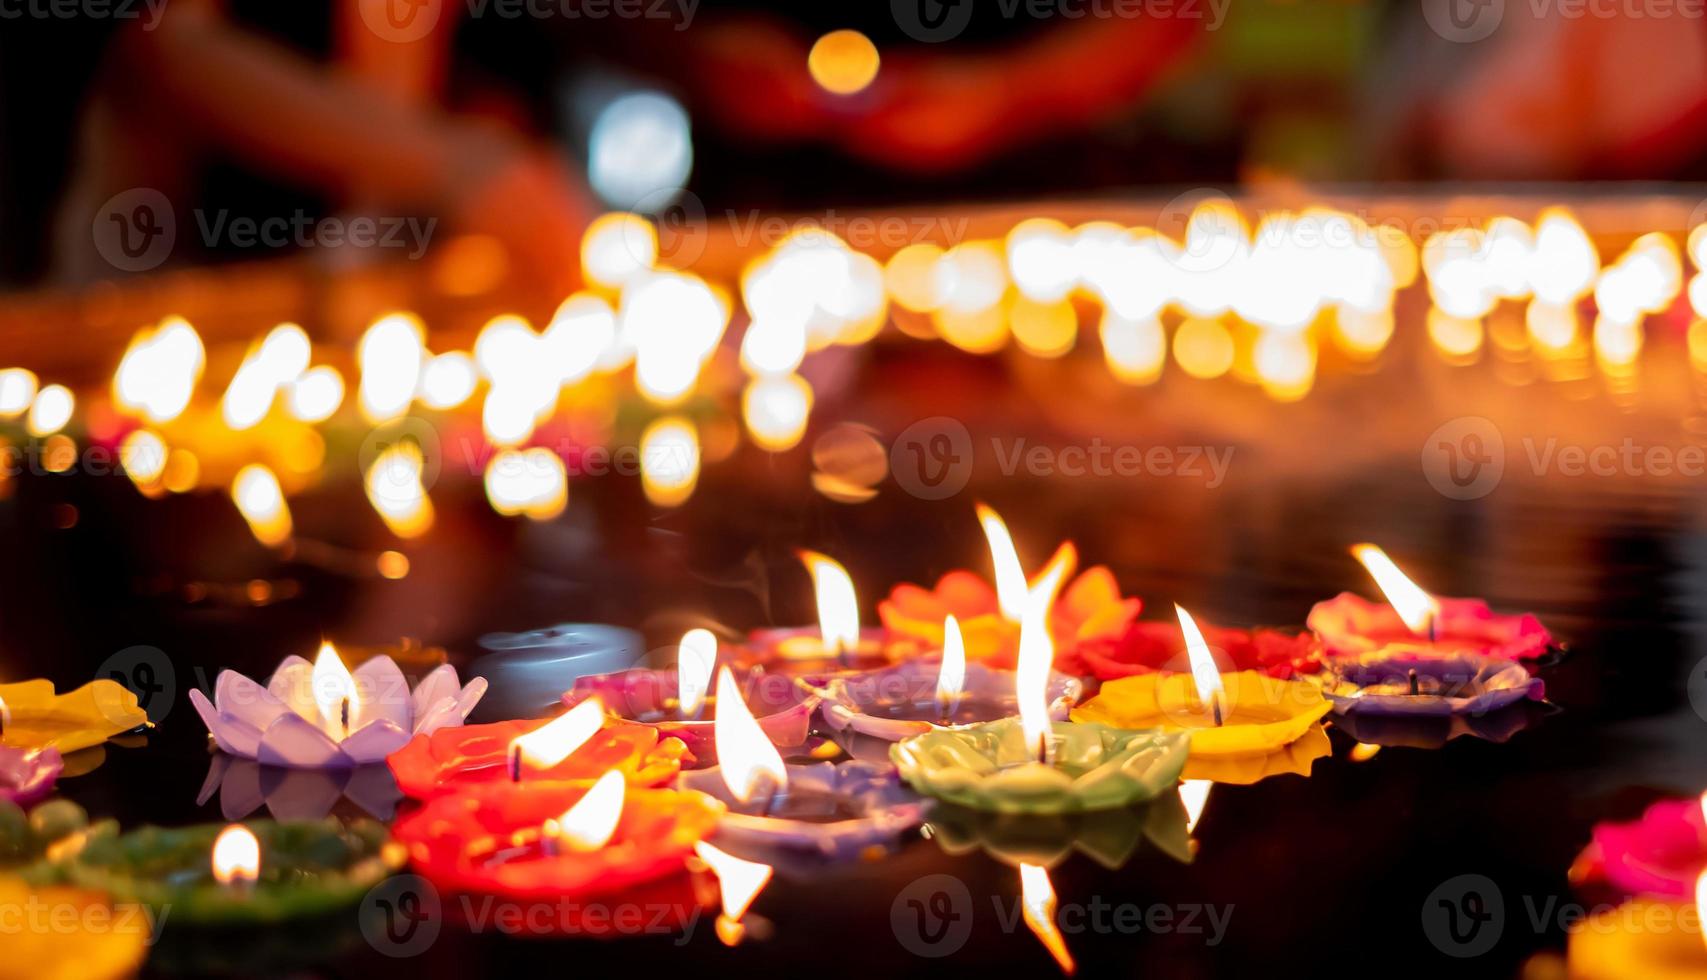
(1648,937)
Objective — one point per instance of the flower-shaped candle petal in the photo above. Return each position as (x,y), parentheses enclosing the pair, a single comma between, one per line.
(992,767)
(1664,852)
(1147,647)
(1263,715)
(27,775)
(38,718)
(98,942)
(284,723)
(1408,680)
(1350,624)
(1090,609)
(453,758)
(652,698)
(245,785)
(902,701)
(837,810)
(485,840)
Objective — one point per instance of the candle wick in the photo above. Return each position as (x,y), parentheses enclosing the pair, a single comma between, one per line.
(1413,679)
(344,716)
(771,793)
(1431,639)
(515,764)
(1216,707)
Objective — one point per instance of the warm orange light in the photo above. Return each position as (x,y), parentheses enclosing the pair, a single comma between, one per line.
(838,606)
(669,461)
(395,489)
(695,656)
(745,756)
(1010,575)
(334,692)
(1204,674)
(1364,751)
(390,355)
(951,675)
(1036,657)
(1037,904)
(260,500)
(553,742)
(738,881)
(843,62)
(157,375)
(1194,794)
(589,824)
(236,856)
(1416,607)
(51,411)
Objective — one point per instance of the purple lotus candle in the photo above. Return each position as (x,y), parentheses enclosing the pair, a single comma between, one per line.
(1415,680)
(838,642)
(27,775)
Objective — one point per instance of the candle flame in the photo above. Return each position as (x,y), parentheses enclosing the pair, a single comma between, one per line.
(1194,793)
(1036,656)
(695,656)
(951,675)
(236,855)
(1413,605)
(838,606)
(589,824)
(1701,900)
(334,691)
(745,755)
(554,741)
(739,881)
(1204,674)
(1010,575)
(1037,904)
(260,500)
(390,355)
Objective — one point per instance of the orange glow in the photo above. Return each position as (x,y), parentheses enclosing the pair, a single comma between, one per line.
(1037,655)
(276,361)
(951,675)
(750,764)
(258,497)
(910,277)
(143,454)
(390,355)
(776,411)
(236,856)
(1458,338)
(157,375)
(617,248)
(395,490)
(51,411)
(838,604)
(1037,903)
(1205,676)
(1203,348)
(334,692)
(316,394)
(696,655)
(1194,795)
(1416,607)
(531,482)
(669,461)
(843,62)
(738,881)
(589,824)
(1364,751)
(1135,350)
(556,740)
(17,391)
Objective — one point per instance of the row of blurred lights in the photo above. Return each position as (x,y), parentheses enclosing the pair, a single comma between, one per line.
(1251,302)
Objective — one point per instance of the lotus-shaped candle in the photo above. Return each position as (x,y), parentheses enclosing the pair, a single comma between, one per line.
(112,950)
(27,775)
(245,786)
(910,698)
(322,716)
(36,717)
(1664,852)
(836,643)
(1407,680)
(1111,838)
(1149,647)
(1350,625)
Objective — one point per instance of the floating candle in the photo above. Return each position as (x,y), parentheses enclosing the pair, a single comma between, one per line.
(453,758)
(245,786)
(1111,838)
(1433,731)
(654,698)
(322,716)
(98,940)
(1662,853)
(1405,680)
(489,839)
(1028,764)
(838,643)
(1350,625)
(1091,607)
(35,717)
(904,700)
(1147,647)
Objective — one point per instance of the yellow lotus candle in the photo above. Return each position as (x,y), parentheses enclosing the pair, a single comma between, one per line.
(36,717)
(1650,937)
(1244,726)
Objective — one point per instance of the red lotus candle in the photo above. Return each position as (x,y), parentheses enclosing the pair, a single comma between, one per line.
(576,747)
(1350,625)
(1662,853)
(1151,647)
(1090,608)
(837,643)
(574,850)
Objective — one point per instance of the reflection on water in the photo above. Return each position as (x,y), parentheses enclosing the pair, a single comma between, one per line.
(245,785)
(1111,838)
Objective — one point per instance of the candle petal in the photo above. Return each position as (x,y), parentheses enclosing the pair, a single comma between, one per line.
(246,701)
(435,687)
(381,694)
(293,683)
(230,733)
(372,743)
